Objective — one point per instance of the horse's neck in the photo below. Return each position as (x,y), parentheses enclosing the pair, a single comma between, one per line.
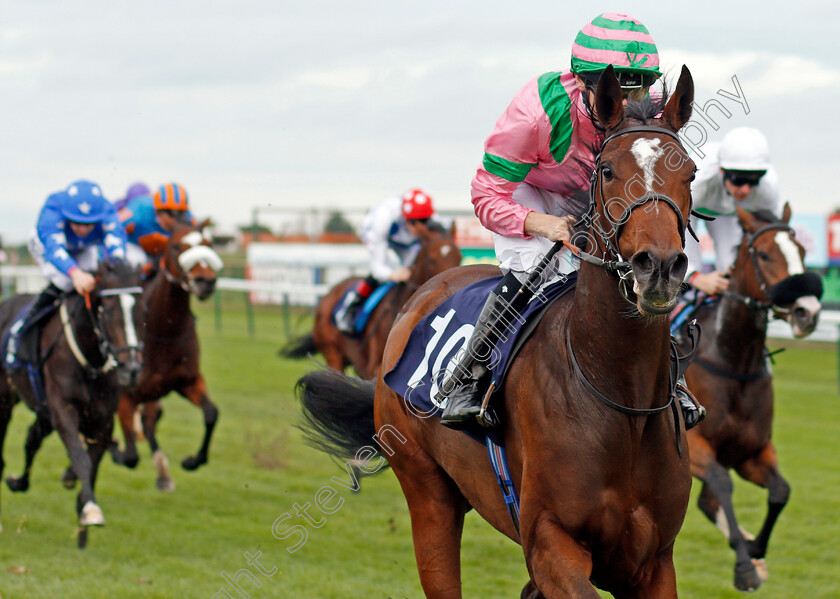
(740,332)
(606,329)
(169,305)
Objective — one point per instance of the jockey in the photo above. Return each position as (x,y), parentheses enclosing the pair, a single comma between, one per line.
(74,226)
(389,229)
(735,173)
(149,220)
(134,190)
(538,157)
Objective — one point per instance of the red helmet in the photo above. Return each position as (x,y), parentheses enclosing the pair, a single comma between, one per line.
(171,196)
(417,204)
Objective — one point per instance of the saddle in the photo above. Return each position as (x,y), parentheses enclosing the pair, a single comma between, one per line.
(20,346)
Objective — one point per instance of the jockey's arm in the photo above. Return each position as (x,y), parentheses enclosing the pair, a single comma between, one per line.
(114,237)
(711,283)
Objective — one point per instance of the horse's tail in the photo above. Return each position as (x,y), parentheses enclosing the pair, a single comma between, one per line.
(337,412)
(299,348)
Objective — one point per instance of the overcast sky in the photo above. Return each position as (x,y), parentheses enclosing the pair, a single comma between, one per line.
(342,103)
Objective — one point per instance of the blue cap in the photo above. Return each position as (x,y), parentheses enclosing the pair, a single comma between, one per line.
(83,202)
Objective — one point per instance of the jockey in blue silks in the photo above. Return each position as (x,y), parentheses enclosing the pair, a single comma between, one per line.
(74,227)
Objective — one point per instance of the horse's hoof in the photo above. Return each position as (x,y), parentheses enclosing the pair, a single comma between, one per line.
(91,515)
(68,479)
(167,485)
(747,578)
(81,540)
(131,461)
(18,484)
(192,463)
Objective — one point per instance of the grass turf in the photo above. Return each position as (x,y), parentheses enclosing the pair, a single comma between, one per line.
(178,545)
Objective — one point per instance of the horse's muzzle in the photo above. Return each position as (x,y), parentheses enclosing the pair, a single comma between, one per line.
(657,280)
(203,287)
(128,373)
(804,316)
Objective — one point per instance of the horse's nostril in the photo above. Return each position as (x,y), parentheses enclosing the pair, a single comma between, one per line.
(643,262)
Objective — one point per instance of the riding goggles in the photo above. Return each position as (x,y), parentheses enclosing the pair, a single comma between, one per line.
(741,178)
(629,81)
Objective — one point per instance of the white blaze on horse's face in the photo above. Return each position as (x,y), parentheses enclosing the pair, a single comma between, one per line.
(791,253)
(127,304)
(647,152)
(445,249)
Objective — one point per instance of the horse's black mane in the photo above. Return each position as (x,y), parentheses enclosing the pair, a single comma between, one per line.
(648,107)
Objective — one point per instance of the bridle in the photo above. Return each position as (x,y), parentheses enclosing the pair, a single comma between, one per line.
(612,259)
(752,302)
(181,279)
(110,354)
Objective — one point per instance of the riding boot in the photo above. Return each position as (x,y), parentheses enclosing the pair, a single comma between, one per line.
(27,351)
(345,316)
(693,412)
(466,385)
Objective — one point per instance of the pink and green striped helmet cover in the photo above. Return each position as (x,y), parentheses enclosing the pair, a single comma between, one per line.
(618,40)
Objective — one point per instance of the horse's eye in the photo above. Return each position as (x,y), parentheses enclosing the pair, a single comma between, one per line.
(693,176)
(607,172)
(763,255)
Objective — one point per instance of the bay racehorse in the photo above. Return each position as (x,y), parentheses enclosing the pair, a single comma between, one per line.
(90,349)
(438,253)
(598,459)
(730,377)
(171,352)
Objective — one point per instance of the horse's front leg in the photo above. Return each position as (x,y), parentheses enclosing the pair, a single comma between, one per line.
(718,482)
(196,392)
(558,565)
(67,424)
(125,411)
(763,470)
(38,431)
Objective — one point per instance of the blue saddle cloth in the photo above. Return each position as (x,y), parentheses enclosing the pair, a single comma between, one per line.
(368,307)
(435,341)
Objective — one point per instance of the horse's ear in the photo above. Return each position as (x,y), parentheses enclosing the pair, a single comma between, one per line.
(678,110)
(786,213)
(608,105)
(453,230)
(422,229)
(205,223)
(748,222)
